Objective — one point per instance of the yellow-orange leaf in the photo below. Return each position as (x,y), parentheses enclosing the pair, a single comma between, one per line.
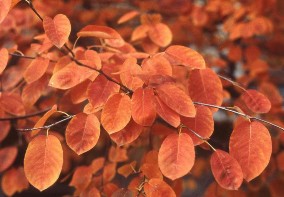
(36,69)
(202,124)
(256,101)
(82,132)
(58,29)
(176,155)
(226,170)
(180,55)
(128,134)
(100,90)
(160,34)
(70,76)
(158,188)
(99,32)
(143,106)
(205,86)
(4,57)
(176,99)
(7,157)
(117,113)
(43,161)
(4,8)
(13,181)
(251,146)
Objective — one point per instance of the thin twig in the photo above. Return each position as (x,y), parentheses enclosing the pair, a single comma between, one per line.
(238,113)
(47,126)
(25,116)
(232,82)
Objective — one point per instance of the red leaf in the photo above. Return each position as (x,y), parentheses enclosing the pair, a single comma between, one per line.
(202,124)
(98,31)
(143,106)
(70,76)
(226,170)
(7,157)
(166,113)
(57,30)
(256,101)
(205,86)
(158,188)
(117,113)
(13,181)
(160,34)
(176,155)
(36,69)
(100,90)
(128,134)
(4,55)
(176,99)
(180,55)
(251,146)
(43,161)
(4,9)
(83,132)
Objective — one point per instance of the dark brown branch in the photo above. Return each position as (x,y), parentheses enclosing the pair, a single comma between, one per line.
(25,116)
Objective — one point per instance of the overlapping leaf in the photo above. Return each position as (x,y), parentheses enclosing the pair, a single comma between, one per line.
(43,161)
(158,188)
(226,170)
(176,99)
(36,69)
(205,86)
(12,103)
(82,132)
(117,113)
(58,29)
(256,101)
(176,155)
(251,146)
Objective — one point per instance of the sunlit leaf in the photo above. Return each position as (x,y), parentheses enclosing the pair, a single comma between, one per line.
(160,34)
(99,32)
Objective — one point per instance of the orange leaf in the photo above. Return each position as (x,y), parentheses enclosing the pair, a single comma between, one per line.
(7,157)
(176,155)
(117,154)
(180,55)
(127,169)
(57,30)
(256,101)
(205,86)
(81,178)
(5,128)
(4,56)
(109,172)
(91,192)
(94,58)
(127,16)
(117,113)
(99,32)
(226,170)
(128,134)
(4,9)
(202,123)
(82,132)
(43,161)
(70,76)
(251,146)
(166,113)
(158,188)
(160,34)
(157,65)
(143,106)
(176,99)
(36,69)
(140,32)
(123,192)
(12,103)
(151,171)
(100,90)
(78,93)
(13,181)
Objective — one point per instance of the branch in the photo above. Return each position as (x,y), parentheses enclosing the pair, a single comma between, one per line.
(239,113)
(25,116)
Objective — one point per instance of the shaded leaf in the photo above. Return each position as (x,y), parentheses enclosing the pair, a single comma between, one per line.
(12,103)
(151,171)
(7,157)
(127,169)
(58,29)
(81,178)
(82,132)
(176,99)
(117,113)
(226,170)
(36,69)
(251,146)
(256,101)
(4,9)
(176,155)
(158,188)
(180,55)
(127,16)
(43,161)
(4,55)
(5,128)
(122,192)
